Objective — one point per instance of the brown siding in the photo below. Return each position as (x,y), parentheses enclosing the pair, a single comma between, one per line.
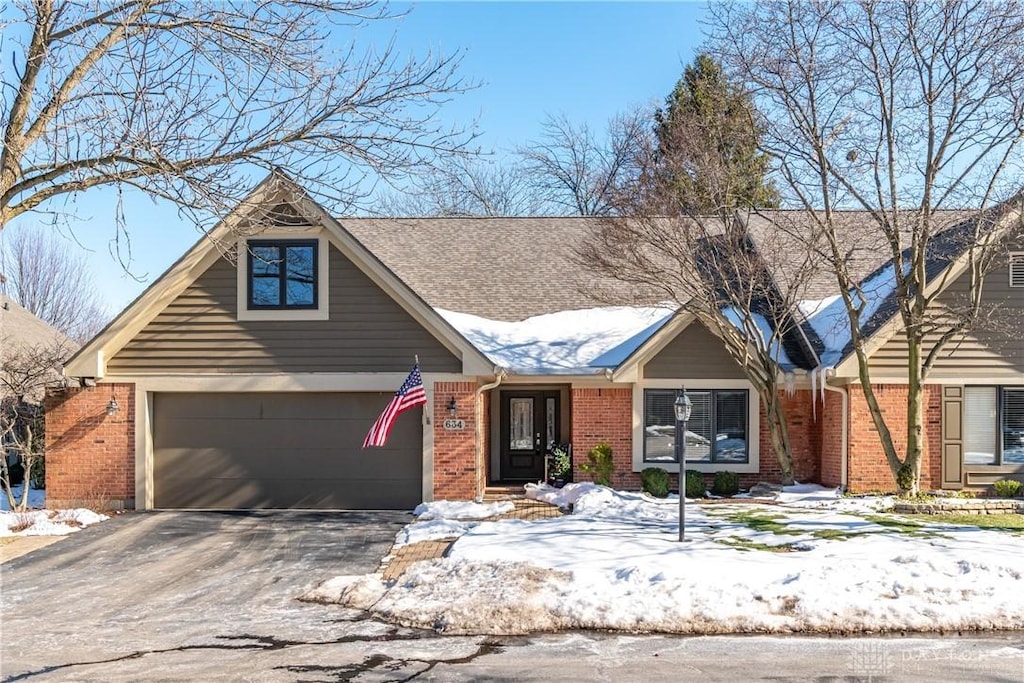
(367,332)
(695,353)
(993,352)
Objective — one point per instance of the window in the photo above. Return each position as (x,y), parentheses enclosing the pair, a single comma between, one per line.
(993,426)
(1017,269)
(282,274)
(716,432)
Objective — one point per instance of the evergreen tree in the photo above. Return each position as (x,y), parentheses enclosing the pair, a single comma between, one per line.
(707,138)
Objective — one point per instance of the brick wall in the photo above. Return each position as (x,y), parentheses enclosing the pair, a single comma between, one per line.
(455,475)
(804,422)
(831,419)
(90,456)
(604,415)
(869,470)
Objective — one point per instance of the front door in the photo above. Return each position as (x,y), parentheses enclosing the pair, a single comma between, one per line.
(529,427)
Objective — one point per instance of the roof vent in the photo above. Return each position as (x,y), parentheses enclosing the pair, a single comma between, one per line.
(1017,269)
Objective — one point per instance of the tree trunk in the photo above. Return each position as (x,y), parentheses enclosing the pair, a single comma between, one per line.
(778,432)
(908,474)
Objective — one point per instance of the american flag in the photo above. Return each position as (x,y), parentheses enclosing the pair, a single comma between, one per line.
(409,395)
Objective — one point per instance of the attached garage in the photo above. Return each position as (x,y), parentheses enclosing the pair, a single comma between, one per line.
(282,450)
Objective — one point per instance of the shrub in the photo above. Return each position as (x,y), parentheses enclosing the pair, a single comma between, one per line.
(695,486)
(655,481)
(725,484)
(560,463)
(1007,488)
(599,464)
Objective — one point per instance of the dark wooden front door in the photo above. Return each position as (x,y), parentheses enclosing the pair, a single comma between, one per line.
(529,427)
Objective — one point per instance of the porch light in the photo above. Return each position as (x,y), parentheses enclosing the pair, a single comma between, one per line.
(683,407)
(112,407)
(453,407)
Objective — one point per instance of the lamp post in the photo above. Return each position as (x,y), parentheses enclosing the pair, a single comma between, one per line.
(683,407)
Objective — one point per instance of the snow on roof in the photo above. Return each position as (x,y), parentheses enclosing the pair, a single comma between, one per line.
(569,342)
(828,317)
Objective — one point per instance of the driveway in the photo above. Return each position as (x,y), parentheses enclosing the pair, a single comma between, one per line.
(146,582)
(172,596)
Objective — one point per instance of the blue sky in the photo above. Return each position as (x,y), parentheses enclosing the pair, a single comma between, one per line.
(588,60)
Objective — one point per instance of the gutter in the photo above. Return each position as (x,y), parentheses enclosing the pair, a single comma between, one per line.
(481,475)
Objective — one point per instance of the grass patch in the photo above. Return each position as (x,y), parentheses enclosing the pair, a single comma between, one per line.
(759,522)
(1009,521)
(746,544)
(904,526)
(835,534)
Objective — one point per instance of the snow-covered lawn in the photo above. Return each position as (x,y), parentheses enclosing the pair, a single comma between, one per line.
(40,522)
(812,562)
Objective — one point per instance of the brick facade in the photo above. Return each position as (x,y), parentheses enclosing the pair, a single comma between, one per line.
(90,456)
(604,414)
(831,420)
(869,470)
(455,476)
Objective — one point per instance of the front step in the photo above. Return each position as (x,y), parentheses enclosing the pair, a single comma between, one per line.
(503,492)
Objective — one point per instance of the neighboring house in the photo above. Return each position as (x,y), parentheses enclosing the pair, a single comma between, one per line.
(31,352)
(251,381)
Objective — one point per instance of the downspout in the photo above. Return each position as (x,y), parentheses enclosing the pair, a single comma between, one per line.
(481,475)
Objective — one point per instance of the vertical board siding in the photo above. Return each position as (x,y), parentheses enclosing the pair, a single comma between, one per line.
(367,331)
(695,353)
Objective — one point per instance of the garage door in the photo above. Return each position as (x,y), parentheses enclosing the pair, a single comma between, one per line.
(302,450)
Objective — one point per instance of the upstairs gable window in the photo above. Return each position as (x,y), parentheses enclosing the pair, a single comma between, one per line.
(282,274)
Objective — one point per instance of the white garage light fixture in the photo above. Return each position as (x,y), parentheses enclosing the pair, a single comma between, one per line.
(112,407)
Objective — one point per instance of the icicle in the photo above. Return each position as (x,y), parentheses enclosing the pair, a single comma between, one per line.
(814,393)
(823,374)
(790,384)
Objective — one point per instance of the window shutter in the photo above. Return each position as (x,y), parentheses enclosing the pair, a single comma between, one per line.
(1017,269)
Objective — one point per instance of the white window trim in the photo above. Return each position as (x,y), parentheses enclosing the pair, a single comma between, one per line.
(323,269)
(1016,261)
(752,466)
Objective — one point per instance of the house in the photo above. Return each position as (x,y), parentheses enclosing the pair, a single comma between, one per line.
(248,377)
(31,353)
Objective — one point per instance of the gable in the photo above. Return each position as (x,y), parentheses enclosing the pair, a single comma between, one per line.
(366,330)
(694,353)
(994,349)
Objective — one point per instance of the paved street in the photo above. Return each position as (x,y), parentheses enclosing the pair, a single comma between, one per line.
(210,597)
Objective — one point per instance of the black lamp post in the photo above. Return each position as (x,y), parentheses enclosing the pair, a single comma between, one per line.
(683,407)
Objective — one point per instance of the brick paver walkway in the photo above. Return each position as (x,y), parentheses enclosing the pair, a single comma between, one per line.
(400,559)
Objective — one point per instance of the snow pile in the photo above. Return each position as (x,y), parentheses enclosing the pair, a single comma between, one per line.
(586,340)
(461,510)
(616,564)
(47,522)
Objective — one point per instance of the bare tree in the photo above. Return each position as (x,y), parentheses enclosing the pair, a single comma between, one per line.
(700,246)
(579,173)
(467,187)
(51,281)
(187,99)
(899,109)
(25,372)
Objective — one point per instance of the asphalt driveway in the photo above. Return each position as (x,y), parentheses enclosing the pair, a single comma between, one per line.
(143,583)
(211,597)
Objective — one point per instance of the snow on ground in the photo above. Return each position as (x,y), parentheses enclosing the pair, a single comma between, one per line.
(38,522)
(586,340)
(36,498)
(813,561)
(46,522)
(461,509)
